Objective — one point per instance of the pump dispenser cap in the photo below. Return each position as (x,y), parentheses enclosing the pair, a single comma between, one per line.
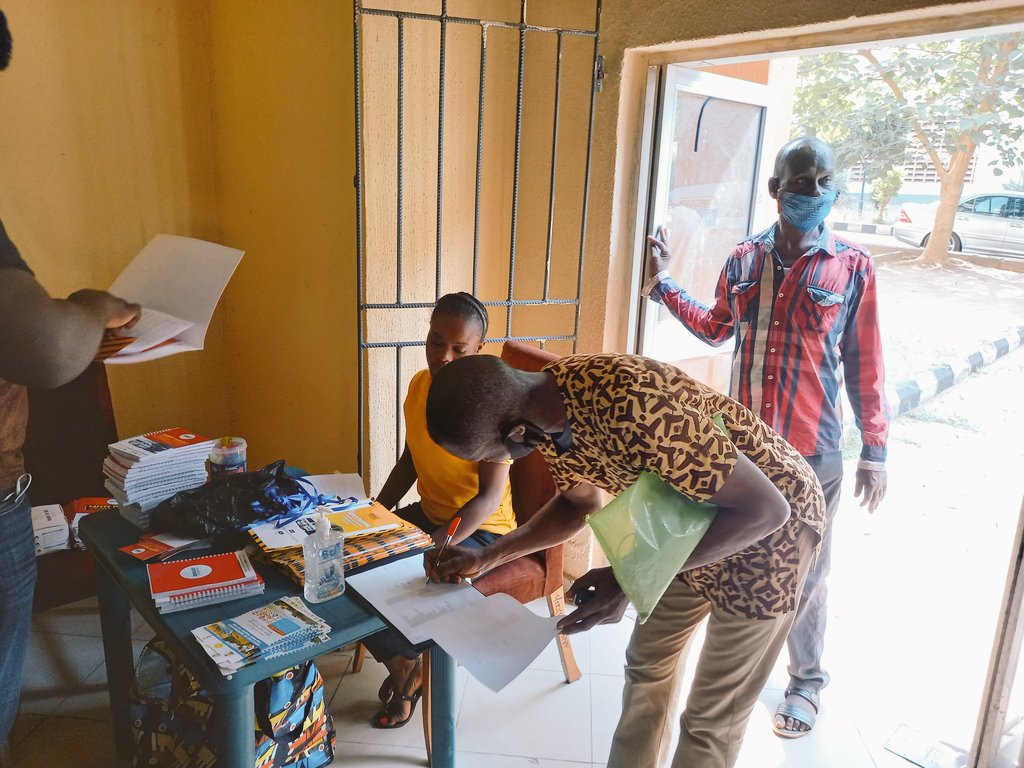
(323,525)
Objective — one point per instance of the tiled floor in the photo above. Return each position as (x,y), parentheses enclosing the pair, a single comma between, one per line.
(537,720)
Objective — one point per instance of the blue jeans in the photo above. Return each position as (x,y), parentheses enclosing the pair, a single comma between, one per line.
(807,637)
(389,643)
(17,583)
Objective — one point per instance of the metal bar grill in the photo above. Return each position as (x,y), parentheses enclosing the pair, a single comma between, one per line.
(399,160)
(477,22)
(410,86)
(360,296)
(479,159)
(554,168)
(515,170)
(586,178)
(440,148)
(513,303)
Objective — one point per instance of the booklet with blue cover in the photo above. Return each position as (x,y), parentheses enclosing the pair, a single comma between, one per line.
(279,627)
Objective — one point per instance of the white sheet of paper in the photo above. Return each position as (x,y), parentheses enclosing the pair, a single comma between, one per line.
(152,328)
(181,277)
(338,484)
(494,639)
(398,591)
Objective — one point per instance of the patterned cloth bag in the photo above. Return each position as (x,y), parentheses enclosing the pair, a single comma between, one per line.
(171,713)
(293,726)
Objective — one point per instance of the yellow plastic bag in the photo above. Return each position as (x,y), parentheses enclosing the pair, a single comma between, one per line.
(647,532)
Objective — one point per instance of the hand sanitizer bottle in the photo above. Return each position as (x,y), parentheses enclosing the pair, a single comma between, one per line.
(322,552)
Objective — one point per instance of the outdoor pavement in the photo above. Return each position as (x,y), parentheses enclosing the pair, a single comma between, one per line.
(939,324)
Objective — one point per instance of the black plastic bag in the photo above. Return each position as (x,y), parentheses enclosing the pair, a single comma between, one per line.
(229,502)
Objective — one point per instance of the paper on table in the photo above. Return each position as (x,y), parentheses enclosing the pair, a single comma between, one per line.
(494,637)
(338,484)
(397,590)
(274,536)
(181,277)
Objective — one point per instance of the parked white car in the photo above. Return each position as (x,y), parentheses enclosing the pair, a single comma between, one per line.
(985,223)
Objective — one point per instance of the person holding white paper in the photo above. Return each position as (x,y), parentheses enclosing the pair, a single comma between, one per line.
(44,342)
(600,421)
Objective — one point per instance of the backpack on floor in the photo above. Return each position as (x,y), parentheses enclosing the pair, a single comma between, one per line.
(171,712)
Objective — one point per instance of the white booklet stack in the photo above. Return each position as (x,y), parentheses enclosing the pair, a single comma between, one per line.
(142,471)
(280,627)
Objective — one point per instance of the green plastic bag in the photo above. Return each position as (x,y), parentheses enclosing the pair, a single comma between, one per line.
(648,532)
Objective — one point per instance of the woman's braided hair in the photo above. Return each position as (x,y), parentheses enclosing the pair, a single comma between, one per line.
(464,305)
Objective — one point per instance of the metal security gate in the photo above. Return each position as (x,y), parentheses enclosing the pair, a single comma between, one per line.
(413,81)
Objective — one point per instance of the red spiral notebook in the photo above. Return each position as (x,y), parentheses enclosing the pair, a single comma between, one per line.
(184,584)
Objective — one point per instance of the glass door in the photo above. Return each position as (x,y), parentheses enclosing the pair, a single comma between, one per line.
(706,152)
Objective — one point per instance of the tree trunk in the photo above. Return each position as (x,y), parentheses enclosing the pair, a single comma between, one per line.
(951,187)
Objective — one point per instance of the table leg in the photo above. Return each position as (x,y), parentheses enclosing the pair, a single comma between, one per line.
(116,624)
(442,692)
(233,729)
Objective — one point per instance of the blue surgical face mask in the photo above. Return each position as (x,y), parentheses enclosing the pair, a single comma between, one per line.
(805,212)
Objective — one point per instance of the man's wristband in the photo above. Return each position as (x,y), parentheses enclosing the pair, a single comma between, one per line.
(871,466)
(649,286)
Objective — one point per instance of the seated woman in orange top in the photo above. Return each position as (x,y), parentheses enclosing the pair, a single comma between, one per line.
(478,492)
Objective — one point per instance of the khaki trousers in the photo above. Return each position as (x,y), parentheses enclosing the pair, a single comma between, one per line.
(735,661)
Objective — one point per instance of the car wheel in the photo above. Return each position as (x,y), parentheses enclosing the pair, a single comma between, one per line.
(954,242)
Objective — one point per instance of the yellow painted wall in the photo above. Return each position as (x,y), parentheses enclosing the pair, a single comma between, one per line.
(228,121)
(284,138)
(105,141)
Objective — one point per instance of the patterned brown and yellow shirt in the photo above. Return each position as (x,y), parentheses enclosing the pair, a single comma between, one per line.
(631,414)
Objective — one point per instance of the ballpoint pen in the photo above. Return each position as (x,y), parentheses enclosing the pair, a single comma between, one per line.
(453,526)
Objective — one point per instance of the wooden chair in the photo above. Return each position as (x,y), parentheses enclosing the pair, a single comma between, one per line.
(530,577)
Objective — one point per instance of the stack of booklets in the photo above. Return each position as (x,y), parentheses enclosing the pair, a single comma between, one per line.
(372,533)
(280,627)
(205,580)
(142,471)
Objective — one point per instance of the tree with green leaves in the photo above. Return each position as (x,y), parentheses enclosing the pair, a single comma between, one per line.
(884,189)
(863,127)
(952,95)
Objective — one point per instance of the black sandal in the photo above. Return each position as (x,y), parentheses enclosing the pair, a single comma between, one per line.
(385,719)
(387,690)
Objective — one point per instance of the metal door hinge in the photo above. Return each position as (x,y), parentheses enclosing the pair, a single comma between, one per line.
(599,74)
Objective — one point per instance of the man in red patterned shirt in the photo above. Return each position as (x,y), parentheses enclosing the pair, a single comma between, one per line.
(802,306)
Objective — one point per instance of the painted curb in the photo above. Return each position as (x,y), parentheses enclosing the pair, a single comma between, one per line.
(910,393)
(870,229)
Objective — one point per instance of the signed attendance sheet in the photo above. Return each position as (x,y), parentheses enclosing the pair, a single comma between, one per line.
(495,637)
